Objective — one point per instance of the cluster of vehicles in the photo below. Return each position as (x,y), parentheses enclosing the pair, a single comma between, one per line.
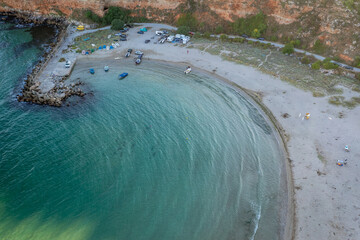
(178,38)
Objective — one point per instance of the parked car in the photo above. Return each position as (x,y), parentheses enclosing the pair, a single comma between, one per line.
(147,41)
(245,36)
(140,32)
(123,35)
(261,38)
(139,53)
(67,64)
(158,33)
(348,67)
(165,32)
(123,39)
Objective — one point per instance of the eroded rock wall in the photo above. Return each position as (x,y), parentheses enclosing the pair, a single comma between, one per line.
(334,22)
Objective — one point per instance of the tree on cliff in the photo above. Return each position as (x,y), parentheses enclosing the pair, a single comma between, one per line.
(183,30)
(187,20)
(288,48)
(117,13)
(253,25)
(117,24)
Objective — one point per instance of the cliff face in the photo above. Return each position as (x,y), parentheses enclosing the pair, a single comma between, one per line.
(334,22)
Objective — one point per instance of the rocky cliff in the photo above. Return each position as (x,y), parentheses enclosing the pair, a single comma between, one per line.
(334,22)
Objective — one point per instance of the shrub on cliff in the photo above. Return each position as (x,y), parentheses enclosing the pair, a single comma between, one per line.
(288,49)
(117,24)
(319,47)
(219,29)
(327,64)
(183,30)
(316,65)
(356,62)
(188,20)
(117,13)
(92,16)
(249,24)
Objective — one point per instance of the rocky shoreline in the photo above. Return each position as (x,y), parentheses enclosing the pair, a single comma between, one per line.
(32,91)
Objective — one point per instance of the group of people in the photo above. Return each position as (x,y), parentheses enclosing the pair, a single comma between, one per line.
(343,162)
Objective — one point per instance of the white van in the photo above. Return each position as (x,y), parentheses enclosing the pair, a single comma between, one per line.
(67,64)
(171,38)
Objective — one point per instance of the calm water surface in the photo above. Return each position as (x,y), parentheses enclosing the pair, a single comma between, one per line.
(158,155)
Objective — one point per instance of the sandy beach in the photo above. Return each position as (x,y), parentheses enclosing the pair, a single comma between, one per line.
(324,196)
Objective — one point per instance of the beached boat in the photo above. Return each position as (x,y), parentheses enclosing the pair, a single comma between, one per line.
(128,53)
(123,75)
(188,70)
(138,59)
(106,68)
(92,71)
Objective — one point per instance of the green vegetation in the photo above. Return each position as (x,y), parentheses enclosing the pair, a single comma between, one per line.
(329,65)
(93,17)
(305,60)
(254,25)
(223,37)
(117,13)
(356,62)
(117,24)
(288,48)
(188,20)
(316,65)
(62,60)
(340,101)
(112,14)
(219,29)
(99,38)
(319,47)
(183,30)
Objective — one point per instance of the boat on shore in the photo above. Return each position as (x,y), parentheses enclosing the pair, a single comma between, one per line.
(123,75)
(138,59)
(188,70)
(106,68)
(92,71)
(128,53)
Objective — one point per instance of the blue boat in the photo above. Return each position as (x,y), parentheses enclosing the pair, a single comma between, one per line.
(92,71)
(106,68)
(123,75)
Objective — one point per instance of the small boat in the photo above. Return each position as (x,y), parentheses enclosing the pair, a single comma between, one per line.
(139,53)
(106,68)
(123,75)
(128,53)
(138,59)
(92,71)
(188,70)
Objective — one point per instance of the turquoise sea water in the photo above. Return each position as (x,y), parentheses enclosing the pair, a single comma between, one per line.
(158,155)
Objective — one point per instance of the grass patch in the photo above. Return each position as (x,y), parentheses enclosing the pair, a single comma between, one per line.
(340,101)
(356,88)
(98,38)
(277,64)
(318,94)
(336,100)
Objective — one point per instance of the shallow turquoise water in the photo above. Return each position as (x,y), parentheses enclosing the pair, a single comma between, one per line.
(158,155)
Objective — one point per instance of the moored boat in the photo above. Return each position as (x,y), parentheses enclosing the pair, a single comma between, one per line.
(92,71)
(123,75)
(106,68)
